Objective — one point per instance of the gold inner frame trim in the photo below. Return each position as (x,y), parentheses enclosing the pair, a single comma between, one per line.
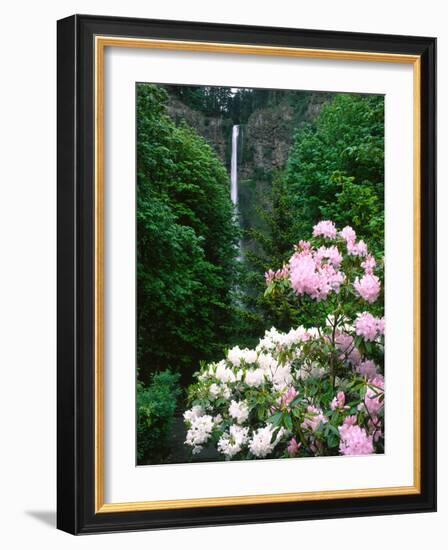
(101,42)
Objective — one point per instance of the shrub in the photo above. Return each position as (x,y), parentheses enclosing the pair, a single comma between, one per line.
(156,405)
(312,391)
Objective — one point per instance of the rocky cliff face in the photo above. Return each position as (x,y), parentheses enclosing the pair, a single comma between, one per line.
(215,130)
(265,139)
(270,131)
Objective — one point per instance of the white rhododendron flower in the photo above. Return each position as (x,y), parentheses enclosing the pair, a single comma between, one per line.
(192,414)
(224,373)
(237,355)
(219,390)
(263,442)
(225,391)
(214,390)
(280,377)
(267,362)
(275,340)
(250,356)
(254,377)
(232,443)
(234,356)
(207,373)
(239,411)
(199,432)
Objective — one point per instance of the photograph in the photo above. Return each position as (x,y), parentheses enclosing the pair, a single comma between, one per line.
(259,274)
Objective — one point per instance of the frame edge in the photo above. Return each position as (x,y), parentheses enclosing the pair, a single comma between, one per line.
(67,463)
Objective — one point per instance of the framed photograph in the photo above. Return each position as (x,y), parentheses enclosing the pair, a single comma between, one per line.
(246,274)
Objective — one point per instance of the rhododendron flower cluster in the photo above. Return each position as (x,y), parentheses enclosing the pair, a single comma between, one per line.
(311,274)
(231,443)
(355,440)
(293,447)
(368,287)
(368,326)
(282,273)
(367,368)
(313,418)
(317,272)
(264,440)
(307,391)
(338,401)
(239,411)
(325,228)
(353,248)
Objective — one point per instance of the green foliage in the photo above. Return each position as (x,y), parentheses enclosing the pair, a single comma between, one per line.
(186,243)
(362,205)
(336,168)
(156,405)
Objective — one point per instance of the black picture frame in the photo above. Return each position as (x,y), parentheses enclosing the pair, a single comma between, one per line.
(76,272)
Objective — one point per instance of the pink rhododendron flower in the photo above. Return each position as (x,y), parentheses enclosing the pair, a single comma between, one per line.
(362,248)
(331,253)
(279,274)
(381,325)
(368,264)
(368,369)
(313,418)
(349,421)
(304,276)
(368,326)
(293,447)
(346,345)
(325,228)
(355,441)
(373,398)
(338,401)
(356,249)
(368,287)
(288,396)
(309,276)
(348,234)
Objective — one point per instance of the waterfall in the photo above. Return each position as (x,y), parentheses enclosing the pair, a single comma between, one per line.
(234,165)
(234,175)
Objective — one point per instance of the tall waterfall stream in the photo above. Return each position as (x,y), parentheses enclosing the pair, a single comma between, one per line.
(234,174)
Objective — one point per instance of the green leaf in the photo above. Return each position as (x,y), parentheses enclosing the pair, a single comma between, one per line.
(287,421)
(275,419)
